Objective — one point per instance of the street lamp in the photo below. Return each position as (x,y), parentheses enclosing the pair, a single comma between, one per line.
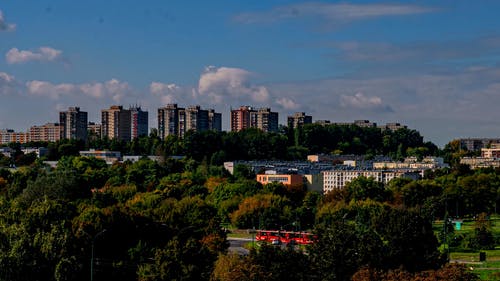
(92,254)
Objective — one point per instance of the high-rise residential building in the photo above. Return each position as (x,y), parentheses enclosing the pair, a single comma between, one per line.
(240,118)
(196,119)
(94,130)
(174,120)
(124,124)
(168,120)
(298,119)
(214,120)
(73,124)
(264,119)
(50,132)
(110,120)
(138,122)
(247,117)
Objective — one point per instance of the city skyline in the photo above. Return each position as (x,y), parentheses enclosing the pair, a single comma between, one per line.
(430,65)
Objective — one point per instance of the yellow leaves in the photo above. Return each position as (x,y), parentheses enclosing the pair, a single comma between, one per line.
(212,182)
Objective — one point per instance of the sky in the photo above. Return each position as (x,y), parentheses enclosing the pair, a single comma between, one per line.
(431,65)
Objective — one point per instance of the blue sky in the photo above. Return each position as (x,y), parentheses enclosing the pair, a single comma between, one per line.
(432,65)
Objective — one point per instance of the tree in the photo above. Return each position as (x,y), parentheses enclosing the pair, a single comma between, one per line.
(362,188)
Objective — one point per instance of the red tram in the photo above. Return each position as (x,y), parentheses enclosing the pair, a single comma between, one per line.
(285,237)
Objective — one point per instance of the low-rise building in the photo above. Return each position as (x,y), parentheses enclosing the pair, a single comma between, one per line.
(480,162)
(9,136)
(412,163)
(39,151)
(493,151)
(337,179)
(109,156)
(286,179)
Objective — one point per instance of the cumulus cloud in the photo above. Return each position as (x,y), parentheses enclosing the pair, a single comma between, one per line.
(172,93)
(332,12)
(6,78)
(226,82)
(113,89)
(43,54)
(287,103)
(8,84)
(43,88)
(361,101)
(158,88)
(4,26)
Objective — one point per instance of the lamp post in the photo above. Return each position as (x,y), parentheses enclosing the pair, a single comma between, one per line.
(92,254)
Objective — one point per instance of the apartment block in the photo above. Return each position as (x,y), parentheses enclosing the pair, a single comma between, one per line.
(138,122)
(168,120)
(73,124)
(247,117)
(337,179)
(50,132)
(476,144)
(493,151)
(412,163)
(298,119)
(393,126)
(240,118)
(177,121)
(94,130)
(8,136)
(124,124)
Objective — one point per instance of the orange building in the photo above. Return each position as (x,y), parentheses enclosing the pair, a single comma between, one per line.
(284,179)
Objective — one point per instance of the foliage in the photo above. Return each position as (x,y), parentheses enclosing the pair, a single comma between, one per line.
(450,272)
(265,263)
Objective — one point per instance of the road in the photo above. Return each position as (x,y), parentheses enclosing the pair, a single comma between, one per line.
(236,245)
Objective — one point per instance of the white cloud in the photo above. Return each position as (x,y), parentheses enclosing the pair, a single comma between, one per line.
(287,103)
(6,78)
(359,100)
(332,13)
(44,54)
(226,82)
(158,88)
(8,84)
(43,88)
(4,26)
(113,89)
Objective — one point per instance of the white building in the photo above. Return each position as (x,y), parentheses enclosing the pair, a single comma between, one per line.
(336,179)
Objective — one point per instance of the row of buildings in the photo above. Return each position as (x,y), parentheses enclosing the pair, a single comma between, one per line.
(490,157)
(321,173)
(116,123)
(125,124)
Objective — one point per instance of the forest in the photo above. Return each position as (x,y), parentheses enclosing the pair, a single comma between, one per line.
(168,220)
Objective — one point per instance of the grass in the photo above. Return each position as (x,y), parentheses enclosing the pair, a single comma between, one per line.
(487,270)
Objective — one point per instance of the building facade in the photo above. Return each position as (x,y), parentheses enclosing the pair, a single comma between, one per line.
(247,117)
(265,120)
(177,121)
(124,124)
(337,179)
(298,119)
(73,124)
(286,179)
(8,136)
(50,132)
(138,122)
(240,118)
